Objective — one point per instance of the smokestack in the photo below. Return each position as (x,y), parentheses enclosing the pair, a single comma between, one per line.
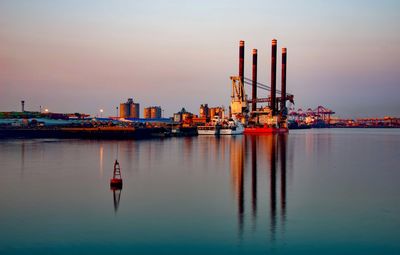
(273,77)
(283,80)
(241,61)
(254,78)
(23,106)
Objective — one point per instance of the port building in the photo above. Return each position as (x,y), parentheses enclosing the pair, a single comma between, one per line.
(129,109)
(210,112)
(183,116)
(152,112)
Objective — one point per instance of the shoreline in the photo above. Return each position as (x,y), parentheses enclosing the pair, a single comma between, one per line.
(83,133)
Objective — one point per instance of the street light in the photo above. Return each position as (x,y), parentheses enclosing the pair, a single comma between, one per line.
(101,113)
(46,110)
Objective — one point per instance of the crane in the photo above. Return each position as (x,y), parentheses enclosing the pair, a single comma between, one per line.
(240,104)
(247,81)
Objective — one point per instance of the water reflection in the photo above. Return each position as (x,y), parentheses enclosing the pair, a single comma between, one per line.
(282,145)
(237,173)
(273,185)
(22,159)
(101,159)
(254,178)
(265,152)
(117,197)
(131,152)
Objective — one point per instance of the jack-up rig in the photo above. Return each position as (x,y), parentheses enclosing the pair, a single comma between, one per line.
(271,118)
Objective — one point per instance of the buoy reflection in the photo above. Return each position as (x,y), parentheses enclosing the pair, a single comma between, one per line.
(117,197)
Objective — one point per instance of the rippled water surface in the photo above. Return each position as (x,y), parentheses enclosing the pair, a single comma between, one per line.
(309,192)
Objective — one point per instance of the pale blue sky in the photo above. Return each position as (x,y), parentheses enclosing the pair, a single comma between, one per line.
(73,56)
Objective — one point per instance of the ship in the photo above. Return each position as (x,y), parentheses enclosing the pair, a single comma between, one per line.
(208,130)
(272,116)
(233,127)
(212,128)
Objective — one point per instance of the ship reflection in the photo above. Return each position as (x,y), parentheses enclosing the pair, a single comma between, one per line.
(117,197)
(273,185)
(22,159)
(262,153)
(254,178)
(237,169)
(282,140)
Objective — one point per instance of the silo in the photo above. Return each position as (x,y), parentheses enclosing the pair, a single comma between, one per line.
(134,110)
(124,110)
(147,113)
(155,112)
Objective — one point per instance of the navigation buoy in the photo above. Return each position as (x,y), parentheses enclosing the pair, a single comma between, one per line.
(116,181)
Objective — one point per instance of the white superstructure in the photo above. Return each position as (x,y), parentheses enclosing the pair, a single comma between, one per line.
(233,127)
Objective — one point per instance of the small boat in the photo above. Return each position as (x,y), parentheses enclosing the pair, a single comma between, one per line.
(233,127)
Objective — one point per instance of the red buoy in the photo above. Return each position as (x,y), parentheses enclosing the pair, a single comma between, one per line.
(116,181)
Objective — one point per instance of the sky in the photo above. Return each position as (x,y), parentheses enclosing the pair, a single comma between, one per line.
(83,56)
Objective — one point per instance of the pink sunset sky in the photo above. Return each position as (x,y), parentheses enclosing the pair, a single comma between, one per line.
(82,56)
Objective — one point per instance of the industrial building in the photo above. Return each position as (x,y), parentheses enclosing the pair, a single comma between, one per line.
(183,116)
(203,112)
(209,112)
(129,109)
(152,112)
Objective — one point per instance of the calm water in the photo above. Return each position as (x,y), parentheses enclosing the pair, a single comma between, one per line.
(309,192)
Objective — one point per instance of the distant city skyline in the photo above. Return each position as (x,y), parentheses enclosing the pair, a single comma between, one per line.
(83,56)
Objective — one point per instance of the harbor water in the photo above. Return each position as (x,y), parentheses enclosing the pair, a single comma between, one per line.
(327,191)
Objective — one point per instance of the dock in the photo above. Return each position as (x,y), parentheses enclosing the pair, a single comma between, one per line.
(85,133)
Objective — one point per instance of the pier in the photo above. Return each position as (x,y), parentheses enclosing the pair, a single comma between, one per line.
(84,133)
